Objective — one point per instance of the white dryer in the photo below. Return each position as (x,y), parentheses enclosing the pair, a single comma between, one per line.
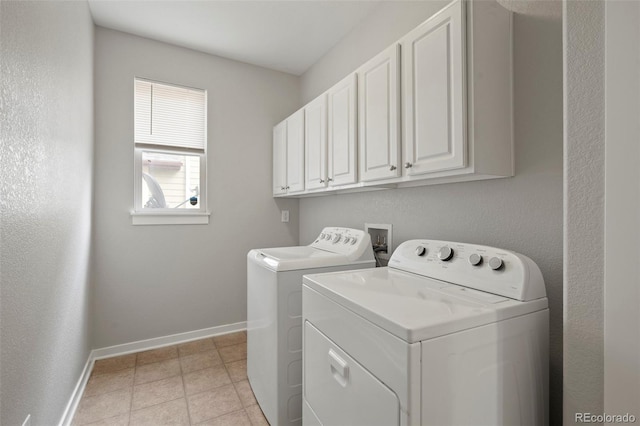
(274,314)
(448,334)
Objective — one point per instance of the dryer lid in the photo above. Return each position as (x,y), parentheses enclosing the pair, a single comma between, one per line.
(413,307)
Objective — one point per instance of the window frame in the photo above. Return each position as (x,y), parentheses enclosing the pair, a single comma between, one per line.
(169,216)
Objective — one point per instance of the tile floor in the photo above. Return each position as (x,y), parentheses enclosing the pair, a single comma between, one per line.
(197,383)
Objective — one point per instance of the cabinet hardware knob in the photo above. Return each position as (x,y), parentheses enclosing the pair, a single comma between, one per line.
(392,168)
(408,165)
(282,188)
(321,180)
(287,187)
(330,179)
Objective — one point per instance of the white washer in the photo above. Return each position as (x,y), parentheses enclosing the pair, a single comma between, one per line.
(274,314)
(448,334)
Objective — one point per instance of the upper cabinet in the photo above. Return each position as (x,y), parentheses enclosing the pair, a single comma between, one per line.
(315,142)
(295,152)
(379,115)
(280,159)
(434,98)
(288,155)
(457,95)
(435,107)
(342,132)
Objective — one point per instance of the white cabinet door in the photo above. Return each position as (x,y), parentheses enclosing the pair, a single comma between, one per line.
(295,152)
(378,116)
(433,94)
(315,142)
(342,132)
(280,159)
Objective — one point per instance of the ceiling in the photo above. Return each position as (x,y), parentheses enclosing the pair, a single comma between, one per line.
(287,36)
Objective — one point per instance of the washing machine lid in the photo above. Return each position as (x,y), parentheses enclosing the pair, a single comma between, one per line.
(414,307)
(335,246)
(299,257)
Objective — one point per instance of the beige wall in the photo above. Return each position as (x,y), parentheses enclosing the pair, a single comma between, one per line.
(46,170)
(153,281)
(523,213)
(584,208)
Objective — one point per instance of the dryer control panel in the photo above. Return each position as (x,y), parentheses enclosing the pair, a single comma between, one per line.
(483,268)
(345,241)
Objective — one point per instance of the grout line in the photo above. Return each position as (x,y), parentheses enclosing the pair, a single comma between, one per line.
(133,386)
(155,405)
(186,400)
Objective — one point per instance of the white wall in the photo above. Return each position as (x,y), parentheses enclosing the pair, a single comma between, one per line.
(622,210)
(584,208)
(46,167)
(153,281)
(523,213)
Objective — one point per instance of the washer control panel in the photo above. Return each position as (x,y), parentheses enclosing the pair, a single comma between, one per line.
(342,240)
(484,268)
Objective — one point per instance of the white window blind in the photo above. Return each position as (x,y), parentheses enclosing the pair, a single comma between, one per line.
(169,115)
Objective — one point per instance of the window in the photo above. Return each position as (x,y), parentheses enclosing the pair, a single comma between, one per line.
(170,145)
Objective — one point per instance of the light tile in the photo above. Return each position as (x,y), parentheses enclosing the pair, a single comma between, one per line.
(109,382)
(109,365)
(94,408)
(120,393)
(157,371)
(238,418)
(200,361)
(234,352)
(203,380)
(157,355)
(255,415)
(168,413)
(230,339)
(191,348)
(245,393)
(157,392)
(237,370)
(214,403)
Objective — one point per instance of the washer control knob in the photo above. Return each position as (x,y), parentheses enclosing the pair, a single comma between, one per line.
(475,259)
(445,253)
(421,250)
(336,238)
(327,237)
(354,240)
(346,240)
(322,236)
(495,263)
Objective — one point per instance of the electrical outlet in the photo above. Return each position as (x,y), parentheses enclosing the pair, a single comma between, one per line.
(284,215)
(27,421)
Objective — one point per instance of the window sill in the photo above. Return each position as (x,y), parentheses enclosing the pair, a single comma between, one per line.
(168,218)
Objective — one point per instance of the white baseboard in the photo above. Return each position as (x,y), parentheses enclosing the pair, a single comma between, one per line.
(173,339)
(133,347)
(72,405)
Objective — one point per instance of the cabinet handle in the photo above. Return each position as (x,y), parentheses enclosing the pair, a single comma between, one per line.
(330,179)
(392,168)
(287,187)
(282,188)
(321,180)
(408,165)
